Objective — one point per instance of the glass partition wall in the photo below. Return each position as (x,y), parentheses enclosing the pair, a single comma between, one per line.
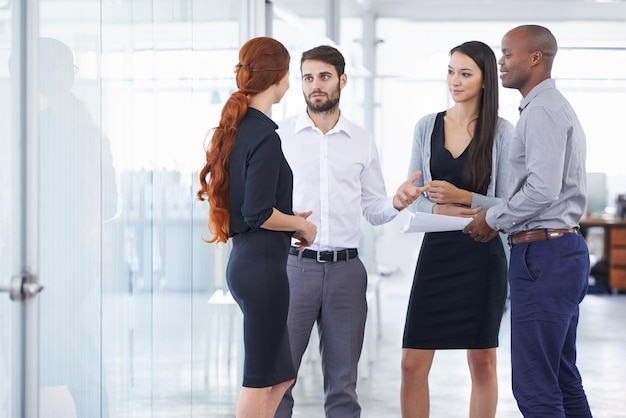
(132,325)
(136,318)
(167,69)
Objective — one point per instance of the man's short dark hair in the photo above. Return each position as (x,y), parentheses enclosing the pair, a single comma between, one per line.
(327,54)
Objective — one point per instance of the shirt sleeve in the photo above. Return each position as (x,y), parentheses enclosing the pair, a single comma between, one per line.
(545,148)
(263,168)
(377,207)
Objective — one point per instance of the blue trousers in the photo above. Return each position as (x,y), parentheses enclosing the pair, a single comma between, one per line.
(548,280)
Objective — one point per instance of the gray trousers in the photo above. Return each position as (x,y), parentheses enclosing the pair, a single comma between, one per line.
(334,296)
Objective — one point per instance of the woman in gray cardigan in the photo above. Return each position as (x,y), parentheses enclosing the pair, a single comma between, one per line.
(460,286)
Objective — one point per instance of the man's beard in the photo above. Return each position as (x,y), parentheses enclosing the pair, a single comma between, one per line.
(326,106)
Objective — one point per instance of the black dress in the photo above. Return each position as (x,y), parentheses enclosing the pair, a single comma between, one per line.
(260,179)
(460,285)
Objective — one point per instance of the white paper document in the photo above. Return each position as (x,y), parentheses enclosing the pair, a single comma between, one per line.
(430,222)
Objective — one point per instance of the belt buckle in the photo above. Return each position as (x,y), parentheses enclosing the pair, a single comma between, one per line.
(318,259)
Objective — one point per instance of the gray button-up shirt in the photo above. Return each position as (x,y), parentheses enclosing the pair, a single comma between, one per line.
(547,156)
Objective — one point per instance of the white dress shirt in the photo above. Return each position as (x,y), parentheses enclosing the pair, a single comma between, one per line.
(336,175)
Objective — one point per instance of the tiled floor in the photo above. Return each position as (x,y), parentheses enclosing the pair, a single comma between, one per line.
(161,386)
(601,346)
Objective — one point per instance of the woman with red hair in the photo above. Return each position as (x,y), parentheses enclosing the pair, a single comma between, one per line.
(248,184)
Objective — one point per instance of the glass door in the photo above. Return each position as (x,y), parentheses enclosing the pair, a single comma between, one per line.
(19,288)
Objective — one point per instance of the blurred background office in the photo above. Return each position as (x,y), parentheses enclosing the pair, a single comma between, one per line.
(130,288)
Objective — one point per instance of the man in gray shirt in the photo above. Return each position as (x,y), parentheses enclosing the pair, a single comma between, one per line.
(549,266)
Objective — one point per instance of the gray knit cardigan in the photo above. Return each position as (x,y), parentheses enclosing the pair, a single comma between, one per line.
(500,186)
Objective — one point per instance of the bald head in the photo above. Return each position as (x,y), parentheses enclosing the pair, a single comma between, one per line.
(538,39)
(528,52)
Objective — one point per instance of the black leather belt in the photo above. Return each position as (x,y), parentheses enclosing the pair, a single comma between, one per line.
(327,256)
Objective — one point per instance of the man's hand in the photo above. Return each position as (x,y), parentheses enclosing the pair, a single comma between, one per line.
(479,230)
(407,192)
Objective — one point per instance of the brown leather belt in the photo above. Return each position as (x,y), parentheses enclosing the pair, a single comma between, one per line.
(539,235)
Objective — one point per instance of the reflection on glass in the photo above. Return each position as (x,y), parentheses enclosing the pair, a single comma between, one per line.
(76,175)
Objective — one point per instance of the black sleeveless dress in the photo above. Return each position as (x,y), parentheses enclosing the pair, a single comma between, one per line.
(460,285)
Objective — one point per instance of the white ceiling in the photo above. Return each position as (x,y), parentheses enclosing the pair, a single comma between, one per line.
(463,10)
(525,11)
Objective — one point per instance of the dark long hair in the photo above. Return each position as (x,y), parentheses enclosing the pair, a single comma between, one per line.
(263,62)
(478,171)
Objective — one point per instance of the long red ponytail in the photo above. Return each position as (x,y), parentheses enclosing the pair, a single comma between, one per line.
(263,62)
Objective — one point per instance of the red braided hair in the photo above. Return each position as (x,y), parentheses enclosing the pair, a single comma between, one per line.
(263,62)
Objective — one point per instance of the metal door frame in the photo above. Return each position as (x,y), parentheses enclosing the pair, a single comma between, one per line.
(23,287)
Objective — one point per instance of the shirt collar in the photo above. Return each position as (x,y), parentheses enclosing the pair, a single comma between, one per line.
(546,84)
(305,122)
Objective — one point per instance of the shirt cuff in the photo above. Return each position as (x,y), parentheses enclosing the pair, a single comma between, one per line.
(390,211)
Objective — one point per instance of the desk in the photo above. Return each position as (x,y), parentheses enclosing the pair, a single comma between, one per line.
(614,248)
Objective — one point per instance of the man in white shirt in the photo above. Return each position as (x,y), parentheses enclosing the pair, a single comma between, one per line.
(337,175)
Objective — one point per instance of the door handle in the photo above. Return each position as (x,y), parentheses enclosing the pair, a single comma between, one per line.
(21,287)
